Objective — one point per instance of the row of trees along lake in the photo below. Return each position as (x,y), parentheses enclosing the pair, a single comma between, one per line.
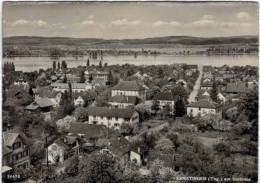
(56,53)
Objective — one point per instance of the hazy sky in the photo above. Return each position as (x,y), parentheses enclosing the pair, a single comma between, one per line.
(130,20)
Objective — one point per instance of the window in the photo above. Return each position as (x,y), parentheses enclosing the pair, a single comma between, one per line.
(17,145)
(116,118)
(199,108)
(116,124)
(101,117)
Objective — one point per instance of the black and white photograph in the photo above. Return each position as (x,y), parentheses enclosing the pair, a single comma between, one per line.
(130,91)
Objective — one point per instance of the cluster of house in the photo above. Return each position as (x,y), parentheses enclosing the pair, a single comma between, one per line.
(85,138)
(229,89)
(95,133)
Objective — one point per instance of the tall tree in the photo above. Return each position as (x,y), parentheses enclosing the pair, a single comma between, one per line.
(214,92)
(110,78)
(63,65)
(90,78)
(88,63)
(54,65)
(179,108)
(100,64)
(102,168)
(64,79)
(82,77)
(58,66)
(70,92)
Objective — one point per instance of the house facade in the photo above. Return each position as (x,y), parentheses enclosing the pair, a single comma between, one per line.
(96,75)
(121,101)
(79,101)
(165,98)
(129,88)
(76,87)
(112,117)
(16,151)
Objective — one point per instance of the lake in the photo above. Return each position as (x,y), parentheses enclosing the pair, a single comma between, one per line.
(28,64)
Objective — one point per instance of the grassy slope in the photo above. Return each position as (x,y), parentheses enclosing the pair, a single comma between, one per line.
(157,41)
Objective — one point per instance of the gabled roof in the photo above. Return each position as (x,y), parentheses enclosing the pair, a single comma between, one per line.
(6,150)
(236,88)
(89,130)
(128,86)
(111,112)
(164,96)
(9,138)
(124,99)
(204,103)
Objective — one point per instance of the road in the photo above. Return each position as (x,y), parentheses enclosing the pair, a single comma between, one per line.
(194,93)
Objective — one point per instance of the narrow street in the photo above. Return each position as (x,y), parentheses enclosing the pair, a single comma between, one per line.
(196,87)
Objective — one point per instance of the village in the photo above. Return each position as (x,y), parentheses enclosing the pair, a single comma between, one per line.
(139,123)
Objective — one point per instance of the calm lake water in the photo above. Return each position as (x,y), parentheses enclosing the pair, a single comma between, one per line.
(35,63)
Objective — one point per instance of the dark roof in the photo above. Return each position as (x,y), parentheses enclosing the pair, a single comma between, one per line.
(204,103)
(128,86)
(111,112)
(164,96)
(236,88)
(124,99)
(89,130)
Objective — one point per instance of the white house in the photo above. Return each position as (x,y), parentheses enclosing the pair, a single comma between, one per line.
(121,101)
(112,117)
(203,107)
(21,82)
(79,101)
(96,74)
(76,87)
(129,88)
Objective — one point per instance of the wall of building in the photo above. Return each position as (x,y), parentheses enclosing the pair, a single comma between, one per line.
(202,111)
(112,122)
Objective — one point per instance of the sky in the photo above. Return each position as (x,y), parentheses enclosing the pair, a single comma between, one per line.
(129,20)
